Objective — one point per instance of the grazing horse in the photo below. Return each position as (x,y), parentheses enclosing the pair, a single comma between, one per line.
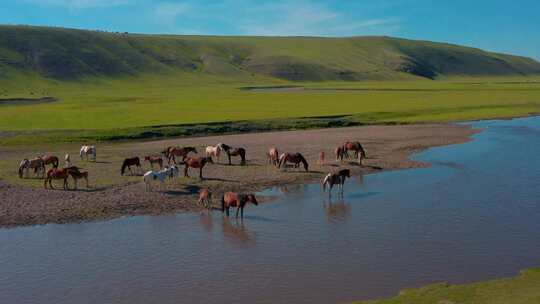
(295,158)
(161,175)
(56,173)
(213,151)
(205,198)
(36,164)
(231,199)
(50,159)
(128,162)
(357,148)
(341,153)
(154,160)
(67,160)
(172,152)
(88,150)
(237,152)
(76,174)
(196,162)
(332,179)
(273,156)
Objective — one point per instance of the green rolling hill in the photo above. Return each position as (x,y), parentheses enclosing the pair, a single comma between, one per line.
(68,54)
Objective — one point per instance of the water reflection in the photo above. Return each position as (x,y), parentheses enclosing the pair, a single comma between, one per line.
(338,211)
(236,231)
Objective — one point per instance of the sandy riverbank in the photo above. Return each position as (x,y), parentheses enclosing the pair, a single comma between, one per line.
(24,202)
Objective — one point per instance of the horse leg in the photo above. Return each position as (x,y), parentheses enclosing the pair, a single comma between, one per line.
(200,173)
(242,212)
(50,183)
(186,171)
(237,211)
(227,211)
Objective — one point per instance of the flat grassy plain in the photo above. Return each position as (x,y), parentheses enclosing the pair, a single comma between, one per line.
(522,289)
(175,105)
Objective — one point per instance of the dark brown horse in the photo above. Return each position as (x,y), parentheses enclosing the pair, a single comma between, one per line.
(152,159)
(196,162)
(341,153)
(295,158)
(273,156)
(128,162)
(332,179)
(231,199)
(56,173)
(50,159)
(172,152)
(356,147)
(237,152)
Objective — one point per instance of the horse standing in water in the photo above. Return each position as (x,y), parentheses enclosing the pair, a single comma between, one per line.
(172,152)
(205,198)
(198,162)
(273,156)
(154,160)
(88,150)
(37,164)
(356,147)
(332,179)
(50,160)
(128,162)
(231,199)
(295,158)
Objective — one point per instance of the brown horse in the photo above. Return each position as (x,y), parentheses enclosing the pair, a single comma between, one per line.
(36,164)
(231,199)
(56,173)
(237,152)
(205,198)
(154,160)
(295,158)
(273,156)
(332,179)
(50,159)
(196,162)
(128,162)
(341,153)
(76,174)
(171,153)
(357,148)
(322,159)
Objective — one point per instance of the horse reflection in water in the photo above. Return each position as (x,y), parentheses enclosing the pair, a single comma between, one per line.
(234,231)
(338,211)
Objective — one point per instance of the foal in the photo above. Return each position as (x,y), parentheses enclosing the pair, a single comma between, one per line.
(273,156)
(76,175)
(205,198)
(231,199)
(154,160)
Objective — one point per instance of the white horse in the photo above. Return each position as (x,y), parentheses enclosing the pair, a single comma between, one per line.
(67,159)
(213,151)
(161,175)
(88,150)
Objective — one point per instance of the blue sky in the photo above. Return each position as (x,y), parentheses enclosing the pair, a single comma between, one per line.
(497,25)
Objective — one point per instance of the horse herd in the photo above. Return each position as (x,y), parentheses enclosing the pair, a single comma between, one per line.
(186,157)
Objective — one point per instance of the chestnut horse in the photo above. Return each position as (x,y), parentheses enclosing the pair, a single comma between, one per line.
(205,198)
(322,159)
(128,162)
(357,148)
(273,156)
(231,199)
(172,152)
(237,152)
(154,160)
(295,158)
(76,174)
(196,162)
(36,164)
(50,159)
(332,179)
(56,173)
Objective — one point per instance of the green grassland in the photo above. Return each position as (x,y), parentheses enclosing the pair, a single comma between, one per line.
(523,289)
(113,86)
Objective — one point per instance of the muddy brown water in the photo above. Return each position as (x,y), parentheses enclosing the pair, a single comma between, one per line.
(473,215)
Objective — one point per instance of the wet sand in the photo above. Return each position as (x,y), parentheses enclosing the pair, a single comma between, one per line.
(388,148)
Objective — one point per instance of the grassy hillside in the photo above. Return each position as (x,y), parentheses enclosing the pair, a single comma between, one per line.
(524,289)
(68,54)
(105,86)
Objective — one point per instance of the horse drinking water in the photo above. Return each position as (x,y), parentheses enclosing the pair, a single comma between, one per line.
(332,179)
(231,199)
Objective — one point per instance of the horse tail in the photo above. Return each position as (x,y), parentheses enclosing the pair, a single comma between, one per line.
(124,165)
(304,161)
(326,180)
